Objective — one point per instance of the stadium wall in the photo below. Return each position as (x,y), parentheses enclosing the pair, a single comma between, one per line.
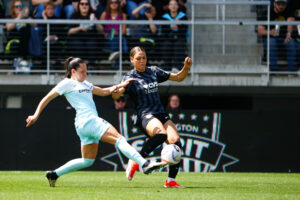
(232,141)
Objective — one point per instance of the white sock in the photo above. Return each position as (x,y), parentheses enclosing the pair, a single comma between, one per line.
(170,179)
(129,151)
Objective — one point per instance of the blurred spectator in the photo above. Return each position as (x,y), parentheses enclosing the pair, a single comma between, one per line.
(132,5)
(2,35)
(294,6)
(39,7)
(2,9)
(57,31)
(161,7)
(182,6)
(280,36)
(84,37)
(145,35)
(18,33)
(7,4)
(173,102)
(99,7)
(174,37)
(112,31)
(69,7)
(120,103)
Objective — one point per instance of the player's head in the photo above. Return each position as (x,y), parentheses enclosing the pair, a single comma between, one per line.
(138,58)
(75,67)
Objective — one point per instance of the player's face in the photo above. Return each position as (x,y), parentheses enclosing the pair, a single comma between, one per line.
(80,73)
(139,61)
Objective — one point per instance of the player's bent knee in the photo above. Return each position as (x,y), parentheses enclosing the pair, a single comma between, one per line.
(173,139)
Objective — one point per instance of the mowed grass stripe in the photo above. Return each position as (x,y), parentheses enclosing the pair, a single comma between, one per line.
(114,185)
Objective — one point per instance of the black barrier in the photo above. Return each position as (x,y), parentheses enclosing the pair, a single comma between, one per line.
(212,141)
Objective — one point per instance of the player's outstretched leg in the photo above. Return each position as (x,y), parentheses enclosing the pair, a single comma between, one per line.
(52,177)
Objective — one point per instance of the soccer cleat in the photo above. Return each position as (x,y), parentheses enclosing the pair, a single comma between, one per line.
(52,177)
(131,168)
(172,184)
(150,166)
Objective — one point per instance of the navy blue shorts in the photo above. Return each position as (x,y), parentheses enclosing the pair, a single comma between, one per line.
(162,117)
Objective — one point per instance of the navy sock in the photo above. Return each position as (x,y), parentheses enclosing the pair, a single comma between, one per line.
(173,169)
(152,143)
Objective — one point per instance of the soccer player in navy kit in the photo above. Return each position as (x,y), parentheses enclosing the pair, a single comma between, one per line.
(152,116)
(89,126)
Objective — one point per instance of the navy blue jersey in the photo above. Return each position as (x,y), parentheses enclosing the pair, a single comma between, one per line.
(144,90)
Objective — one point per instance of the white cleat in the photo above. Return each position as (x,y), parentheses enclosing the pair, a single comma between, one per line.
(150,166)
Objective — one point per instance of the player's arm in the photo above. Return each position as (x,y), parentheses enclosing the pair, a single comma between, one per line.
(110,90)
(43,103)
(182,74)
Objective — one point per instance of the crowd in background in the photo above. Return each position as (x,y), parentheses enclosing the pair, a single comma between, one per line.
(168,43)
(284,40)
(24,41)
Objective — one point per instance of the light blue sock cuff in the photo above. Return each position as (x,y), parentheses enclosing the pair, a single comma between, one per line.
(88,162)
(129,151)
(119,140)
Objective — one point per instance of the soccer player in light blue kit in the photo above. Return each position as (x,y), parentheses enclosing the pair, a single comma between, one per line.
(89,126)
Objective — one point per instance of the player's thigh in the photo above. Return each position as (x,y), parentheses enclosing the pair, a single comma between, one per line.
(154,127)
(173,135)
(89,150)
(111,135)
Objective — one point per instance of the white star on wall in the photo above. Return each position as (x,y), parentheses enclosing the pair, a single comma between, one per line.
(205,118)
(194,117)
(170,115)
(181,116)
(205,131)
(134,130)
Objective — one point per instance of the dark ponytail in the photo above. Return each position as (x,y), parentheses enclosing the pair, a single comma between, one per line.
(72,63)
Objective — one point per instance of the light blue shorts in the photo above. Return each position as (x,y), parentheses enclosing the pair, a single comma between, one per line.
(91,130)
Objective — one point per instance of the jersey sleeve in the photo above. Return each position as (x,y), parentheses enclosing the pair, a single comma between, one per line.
(161,75)
(126,77)
(63,86)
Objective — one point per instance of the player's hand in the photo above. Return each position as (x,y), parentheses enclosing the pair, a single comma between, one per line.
(188,62)
(30,120)
(122,85)
(125,83)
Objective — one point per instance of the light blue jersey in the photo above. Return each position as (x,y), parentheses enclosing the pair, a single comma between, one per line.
(89,126)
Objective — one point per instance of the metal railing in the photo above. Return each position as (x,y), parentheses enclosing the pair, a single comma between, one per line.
(192,23)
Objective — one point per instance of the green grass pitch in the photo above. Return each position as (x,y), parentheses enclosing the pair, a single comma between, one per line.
(15,185)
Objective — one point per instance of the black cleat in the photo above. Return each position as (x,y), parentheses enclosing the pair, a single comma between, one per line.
(150,166)
(52,177)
